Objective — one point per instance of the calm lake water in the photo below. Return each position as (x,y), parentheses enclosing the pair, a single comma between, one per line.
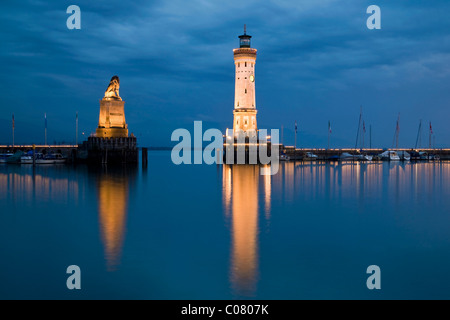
(219,232)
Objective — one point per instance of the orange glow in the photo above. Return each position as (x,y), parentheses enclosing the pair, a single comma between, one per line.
(267,193)
(226,188)
(27,186)
(244,257)
(113,198)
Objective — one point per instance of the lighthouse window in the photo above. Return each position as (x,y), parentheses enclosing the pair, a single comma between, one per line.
(245,90)
(252,64)
(239,65)
(246,64)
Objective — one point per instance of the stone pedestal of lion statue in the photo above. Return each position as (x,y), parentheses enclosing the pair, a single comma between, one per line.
(111,123)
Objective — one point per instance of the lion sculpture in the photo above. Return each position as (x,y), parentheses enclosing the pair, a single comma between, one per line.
(112,93)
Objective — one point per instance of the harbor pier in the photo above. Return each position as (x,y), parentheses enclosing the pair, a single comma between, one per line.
(109,150)
(245,153)
(94,151)
(325,154)
(68,151)
(125,150)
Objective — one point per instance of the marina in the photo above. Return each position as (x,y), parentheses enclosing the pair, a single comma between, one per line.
(401,154)
(287,153)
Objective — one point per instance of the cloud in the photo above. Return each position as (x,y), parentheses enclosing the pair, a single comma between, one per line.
(316,61)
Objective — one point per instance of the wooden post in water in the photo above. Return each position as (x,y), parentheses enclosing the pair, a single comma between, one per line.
(34,155)
(13,127)
(144,157)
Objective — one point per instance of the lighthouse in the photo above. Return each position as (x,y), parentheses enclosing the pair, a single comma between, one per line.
(244,97)
(245,143)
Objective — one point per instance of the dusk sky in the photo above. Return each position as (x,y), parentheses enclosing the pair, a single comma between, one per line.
(317,62)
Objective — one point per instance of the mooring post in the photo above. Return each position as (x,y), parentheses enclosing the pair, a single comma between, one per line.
(34,155)
(144,157)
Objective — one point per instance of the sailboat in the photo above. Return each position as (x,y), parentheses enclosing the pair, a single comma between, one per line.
(395,155)
(401,155)
(390,155)
(416,154)
(39,158)
(15,158)
(5,156)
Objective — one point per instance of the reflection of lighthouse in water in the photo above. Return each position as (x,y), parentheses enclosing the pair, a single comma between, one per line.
(241,185)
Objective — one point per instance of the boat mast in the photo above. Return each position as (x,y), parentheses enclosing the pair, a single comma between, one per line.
(76,129)
(431,132)
(419,135)
(363,134)
(295,129)
(359,128)
(13,128)
(398,131)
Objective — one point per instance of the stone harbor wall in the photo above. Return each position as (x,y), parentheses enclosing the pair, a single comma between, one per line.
(98,150)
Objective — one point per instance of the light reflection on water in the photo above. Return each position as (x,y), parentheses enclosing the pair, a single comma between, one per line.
(113,200)
(242,183)
(24,184)
(31,185)
(296,181)
(280,233)
(350,180)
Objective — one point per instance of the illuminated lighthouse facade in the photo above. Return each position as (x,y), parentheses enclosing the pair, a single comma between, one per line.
(244,98)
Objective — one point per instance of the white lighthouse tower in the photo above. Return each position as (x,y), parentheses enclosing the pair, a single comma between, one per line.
(244,97)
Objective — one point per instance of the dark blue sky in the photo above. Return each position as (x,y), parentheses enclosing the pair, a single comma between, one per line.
(317,62)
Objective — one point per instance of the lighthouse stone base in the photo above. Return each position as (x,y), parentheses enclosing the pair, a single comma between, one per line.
(110,150)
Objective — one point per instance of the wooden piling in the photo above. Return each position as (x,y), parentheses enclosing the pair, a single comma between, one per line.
(144,157)
(34,155)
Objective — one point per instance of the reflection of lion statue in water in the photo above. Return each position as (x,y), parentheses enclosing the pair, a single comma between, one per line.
(113,89)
